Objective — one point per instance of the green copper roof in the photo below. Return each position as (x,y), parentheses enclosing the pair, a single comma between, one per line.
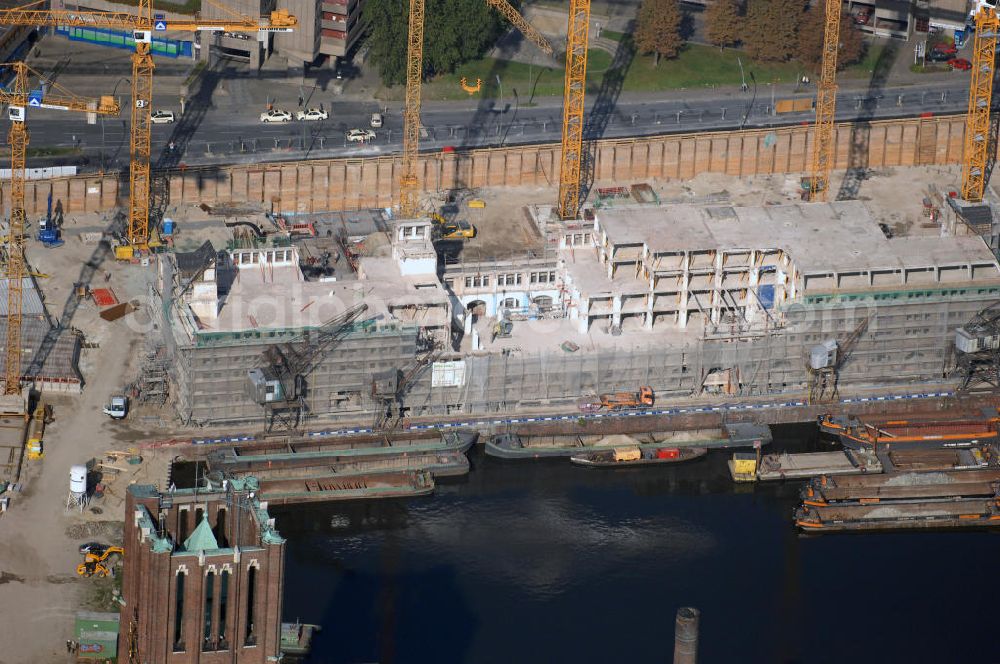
(202,539)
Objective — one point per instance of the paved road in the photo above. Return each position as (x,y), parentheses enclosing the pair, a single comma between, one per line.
(225,135)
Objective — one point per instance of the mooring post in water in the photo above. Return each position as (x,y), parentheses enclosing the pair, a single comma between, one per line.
(686,635)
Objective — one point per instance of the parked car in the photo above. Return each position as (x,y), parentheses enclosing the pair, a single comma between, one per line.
(939,56)
(376,121)
(276,115)
(161,117)
(944,48)
(118,407)
(312,114)
(960,64)
(360,135)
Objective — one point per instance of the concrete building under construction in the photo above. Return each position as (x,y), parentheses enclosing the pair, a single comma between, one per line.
(688,299)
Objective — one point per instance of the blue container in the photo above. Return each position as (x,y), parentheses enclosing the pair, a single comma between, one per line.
(766,295)
(168,226)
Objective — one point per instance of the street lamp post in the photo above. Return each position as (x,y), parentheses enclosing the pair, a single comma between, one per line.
(500,120)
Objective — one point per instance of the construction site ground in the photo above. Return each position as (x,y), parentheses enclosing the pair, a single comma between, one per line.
(39,589)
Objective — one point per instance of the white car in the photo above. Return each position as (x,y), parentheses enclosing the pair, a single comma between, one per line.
(360,135)
(312,114)
(276,115)
(161,117)
(118,408)
(376,120)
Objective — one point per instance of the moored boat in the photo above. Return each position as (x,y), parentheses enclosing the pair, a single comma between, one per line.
(356,487)
(637,456)
(855,433)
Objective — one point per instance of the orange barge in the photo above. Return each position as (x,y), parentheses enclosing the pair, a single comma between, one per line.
(856,434)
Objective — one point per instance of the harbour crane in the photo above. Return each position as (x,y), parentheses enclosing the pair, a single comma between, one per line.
(279,383)
(976,151)
(142,25)
(389,388)
(409,182)
(827,359)
(18,99)
(977,350)
(824,149)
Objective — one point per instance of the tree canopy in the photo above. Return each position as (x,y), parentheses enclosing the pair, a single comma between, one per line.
(770,29)
(455,31)
(809,49)
(658,28)
(724,22)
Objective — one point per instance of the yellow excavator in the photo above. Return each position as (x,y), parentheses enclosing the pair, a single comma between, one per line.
(94,563)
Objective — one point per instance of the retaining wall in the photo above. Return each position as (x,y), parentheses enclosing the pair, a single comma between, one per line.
(354,183)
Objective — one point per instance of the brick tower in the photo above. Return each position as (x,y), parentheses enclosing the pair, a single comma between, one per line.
(203,577)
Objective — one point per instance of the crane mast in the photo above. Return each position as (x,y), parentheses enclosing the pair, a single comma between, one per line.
(824,149)
(977,121)
(574,90)
(16,100)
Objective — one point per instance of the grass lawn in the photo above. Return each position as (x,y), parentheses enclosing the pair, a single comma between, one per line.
(612,35)
(696,67)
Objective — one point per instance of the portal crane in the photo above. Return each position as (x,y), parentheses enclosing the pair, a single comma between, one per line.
(279,384)
(824,149)
(977,350)
(389,388)
(408,182)
(975,154)
(142,26)
(17,102)
(824,377)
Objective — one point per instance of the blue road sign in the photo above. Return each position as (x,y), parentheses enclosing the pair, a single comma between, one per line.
(35,98)
(160,26)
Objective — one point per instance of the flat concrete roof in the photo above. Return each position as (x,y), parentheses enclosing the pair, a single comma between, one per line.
(819,237)
(590,276)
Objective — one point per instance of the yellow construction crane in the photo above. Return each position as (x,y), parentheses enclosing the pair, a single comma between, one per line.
(977,121)
(18,100)
(408,182)
(142,25)
(824,150)
(574,89)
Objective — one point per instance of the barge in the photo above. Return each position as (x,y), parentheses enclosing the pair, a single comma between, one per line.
(360,487)
(855,433)
(305,452)
(516,446)
(960,513)
(440,464)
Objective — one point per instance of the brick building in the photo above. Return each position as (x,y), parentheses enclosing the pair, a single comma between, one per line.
(203,577)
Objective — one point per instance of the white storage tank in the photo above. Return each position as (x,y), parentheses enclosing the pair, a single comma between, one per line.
(78,479)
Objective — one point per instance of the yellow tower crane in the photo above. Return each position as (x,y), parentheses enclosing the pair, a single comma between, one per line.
(142,26)
(574,89)
(977,122)
(409,183)
(824,150)
(18,101)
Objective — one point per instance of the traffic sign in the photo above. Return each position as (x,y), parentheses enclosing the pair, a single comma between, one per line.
(35,97)
(160,26)
(35,101)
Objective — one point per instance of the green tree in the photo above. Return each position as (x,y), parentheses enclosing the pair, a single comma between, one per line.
(724,21)
(809,48)
(770,29)
(658,28)
(455,31)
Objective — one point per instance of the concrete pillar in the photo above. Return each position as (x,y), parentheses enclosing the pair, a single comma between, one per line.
(686,636)
(616,311)
(205,40)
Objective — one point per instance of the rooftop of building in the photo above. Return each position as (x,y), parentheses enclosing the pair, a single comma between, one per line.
(819,237)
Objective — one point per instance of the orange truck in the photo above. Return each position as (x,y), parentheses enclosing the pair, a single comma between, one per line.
(618,400)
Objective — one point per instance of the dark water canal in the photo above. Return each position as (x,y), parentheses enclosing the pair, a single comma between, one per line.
(543,561)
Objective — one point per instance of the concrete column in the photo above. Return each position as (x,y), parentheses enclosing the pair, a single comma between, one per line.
(204,38)
(686,636)
(583,319)
(616,310)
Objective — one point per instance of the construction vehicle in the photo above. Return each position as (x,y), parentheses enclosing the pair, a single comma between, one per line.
(619,400)
(48,234)
(96,564)
(503,329)
(458,230)
(118,407)
(36,431)
(141,26)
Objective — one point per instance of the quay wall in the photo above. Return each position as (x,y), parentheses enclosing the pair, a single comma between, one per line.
(351,183)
